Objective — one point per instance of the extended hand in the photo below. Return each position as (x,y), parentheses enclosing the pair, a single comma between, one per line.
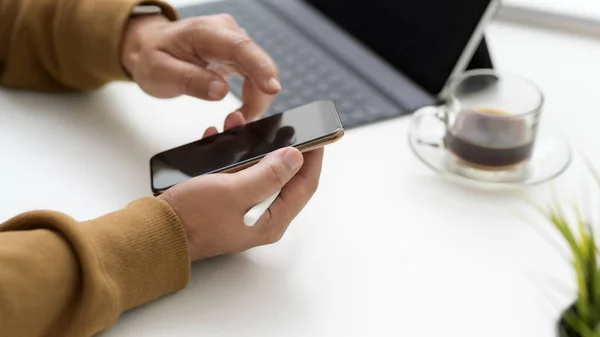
(194,57)
(211,207)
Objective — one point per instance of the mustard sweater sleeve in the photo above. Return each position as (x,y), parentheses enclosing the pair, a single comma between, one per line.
(59,277)
(59,45)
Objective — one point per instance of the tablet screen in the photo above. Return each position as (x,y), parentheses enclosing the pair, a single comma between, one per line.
(423,39)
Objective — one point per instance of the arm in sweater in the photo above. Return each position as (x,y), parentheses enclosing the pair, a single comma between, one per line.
(55,45)
(60,277)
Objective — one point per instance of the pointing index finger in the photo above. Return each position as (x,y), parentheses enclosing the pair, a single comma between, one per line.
(235,47)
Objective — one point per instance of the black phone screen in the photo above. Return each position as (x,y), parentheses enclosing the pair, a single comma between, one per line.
(244,144)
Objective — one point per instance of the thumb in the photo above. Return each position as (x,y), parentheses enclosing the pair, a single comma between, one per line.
(260,181)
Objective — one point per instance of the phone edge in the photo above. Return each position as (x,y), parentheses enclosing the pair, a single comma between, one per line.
(307,147)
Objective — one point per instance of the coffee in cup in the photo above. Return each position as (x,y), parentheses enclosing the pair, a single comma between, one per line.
(489,139)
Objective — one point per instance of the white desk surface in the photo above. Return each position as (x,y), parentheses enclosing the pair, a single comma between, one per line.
(574,9)
(386,247)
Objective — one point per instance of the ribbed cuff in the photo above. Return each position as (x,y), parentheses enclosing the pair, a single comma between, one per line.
(143,251)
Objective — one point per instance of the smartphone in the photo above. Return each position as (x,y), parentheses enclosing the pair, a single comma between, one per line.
(307,128)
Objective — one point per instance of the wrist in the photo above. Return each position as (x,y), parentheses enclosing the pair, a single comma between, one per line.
(138,32)
(195,254)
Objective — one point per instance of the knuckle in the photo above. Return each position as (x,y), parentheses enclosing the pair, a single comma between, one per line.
(276,173)
(240,46)
(187,82)
(274,237)
(196,22)
(264,67)
(200,26)
(310,187)
(273,227)
(274,231)
(154,64)
(313,187)
(226,17)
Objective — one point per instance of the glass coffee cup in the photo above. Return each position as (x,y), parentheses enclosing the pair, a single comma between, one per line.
(490,123)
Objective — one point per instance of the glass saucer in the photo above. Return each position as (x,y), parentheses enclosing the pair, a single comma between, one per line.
(551,157)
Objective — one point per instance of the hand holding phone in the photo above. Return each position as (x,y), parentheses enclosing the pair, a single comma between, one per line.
(211,207)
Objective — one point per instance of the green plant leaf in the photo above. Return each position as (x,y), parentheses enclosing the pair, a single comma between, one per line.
(585,241)
(561,224)
(592,278)
(597,287)
(568,236)
(584,238)
(584,320)
(558,218)
(583,300)
(578,325)
(587,270)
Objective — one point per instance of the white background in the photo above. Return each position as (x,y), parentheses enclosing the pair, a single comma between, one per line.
(586,9)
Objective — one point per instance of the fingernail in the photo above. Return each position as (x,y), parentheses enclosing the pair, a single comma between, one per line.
(274,84)
(293,158)
(217,90)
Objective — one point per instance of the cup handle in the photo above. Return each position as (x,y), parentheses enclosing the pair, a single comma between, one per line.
(419,116)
